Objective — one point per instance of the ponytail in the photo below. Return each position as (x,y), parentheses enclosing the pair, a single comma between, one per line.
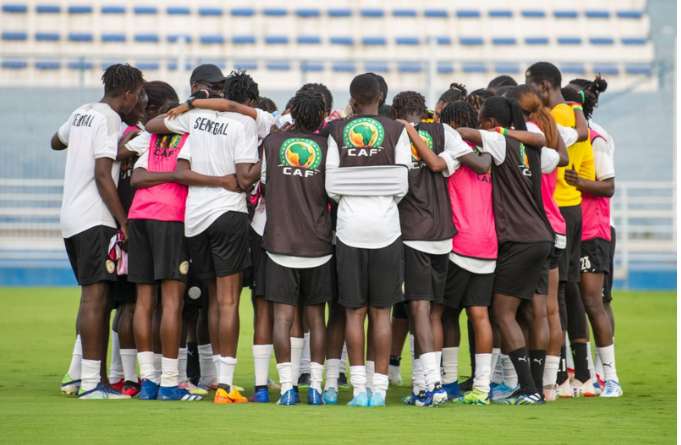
(538,113)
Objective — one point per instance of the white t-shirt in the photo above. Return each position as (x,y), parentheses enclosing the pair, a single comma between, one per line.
(473,265)
(263,122)
(604,161)
(455,147)
(495,144)
(369,222)
(219,142)
(139,144)
(91,132)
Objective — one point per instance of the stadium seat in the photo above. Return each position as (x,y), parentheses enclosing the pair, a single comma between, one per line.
(500,13)
(80,9)
(274,12)
(14,9)
(116,37)
(243,12)
(507,68)
(374,67)
(471,67)
(48,9)
(409,67)
(278,66)
(404,13)
(148,66)
(573,68)
(638,69)
(172,38)
(151,10)
(210,11)
(146,38)
(276,40)
(245,65)
(80,65)
(172,66)
(445,68)
(47,36)
(80,37)
(14,64)
(308,12)
(113,10)
(14,35)
(311,66)
(344,67)
(47,65)
(177,10)
(606,70)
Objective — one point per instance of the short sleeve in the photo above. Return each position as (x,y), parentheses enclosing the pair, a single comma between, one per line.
(263,169)
(569,135)
(179,125)
(245,148)
(140,143)
(403,150)
(263,122)
(549,160)
(186,152)
(65,131)
(143,161)
(106,136)
(455,147)
(494,144)
(604,164)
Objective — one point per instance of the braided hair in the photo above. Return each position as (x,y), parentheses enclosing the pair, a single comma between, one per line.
(590,88)
(459,114)
(322,89)
(240,87)
(308,110)
(455,92)
(121,77)
(408,103)
(475,101)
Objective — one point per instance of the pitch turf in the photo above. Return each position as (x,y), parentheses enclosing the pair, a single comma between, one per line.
(37,332)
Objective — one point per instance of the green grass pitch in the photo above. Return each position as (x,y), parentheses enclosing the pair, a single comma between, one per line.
(37,332)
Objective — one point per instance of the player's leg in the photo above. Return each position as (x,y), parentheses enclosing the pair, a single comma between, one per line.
(479,318)
(382,338)
(335,339)
(116,366)
(297,344)
(126,337)
(354,337)
(400,326)
(304,378)
(142,327)
(577,333)
(228,295)
(156,337)
(314,315)
(534,312)
(284,315)
(451,338)
(556,338)
(263,347)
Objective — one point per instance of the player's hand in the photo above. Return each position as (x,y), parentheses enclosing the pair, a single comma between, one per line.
(286,127)
(230,183)
(402,121)
(572,178)
(124,229)
(172,114)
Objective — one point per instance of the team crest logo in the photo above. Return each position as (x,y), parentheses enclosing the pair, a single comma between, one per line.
(523,156)
(110,266)
(428,139)
(363,132)
(184,267)
(300,153)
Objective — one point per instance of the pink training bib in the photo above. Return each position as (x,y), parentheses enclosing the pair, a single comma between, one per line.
(164,202)
(595,211)
(548,186)
(471,197)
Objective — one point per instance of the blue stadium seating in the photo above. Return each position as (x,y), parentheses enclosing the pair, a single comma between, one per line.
(310,66)
(114,37)
(80,37)
(14,64)
(276,40)
(48,65)
(278,66)
(15,9)
(376,67)
(48,9)
(47,36)
(210,11)
(146,38)
(309,40)
(243,40)
(19,35)
(404,13)
(113,9)
(347,67)
(152,10)
(80,9)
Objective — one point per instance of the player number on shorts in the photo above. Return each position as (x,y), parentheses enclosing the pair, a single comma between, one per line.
(586,264)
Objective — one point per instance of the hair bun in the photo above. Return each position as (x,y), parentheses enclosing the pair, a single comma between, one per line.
(599,85)
(458,87)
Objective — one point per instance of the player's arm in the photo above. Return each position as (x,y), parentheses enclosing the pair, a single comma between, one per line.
(108,192)
(57,143)
(183,174)
(247,174)
(533,140)
(158,125)
(215,105)
(581,124)
(605,188)
(142,178)
(123,152)
(479,164)
(60,140)
(433,161)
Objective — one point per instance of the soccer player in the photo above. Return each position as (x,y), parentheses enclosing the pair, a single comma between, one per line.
(524,233)
(455,93)
(595,256)
(368,237)
(542,317)
(500,82)
(300,269)
(216,222)
(90,210)
(427,231)
(545,80)
(400,327)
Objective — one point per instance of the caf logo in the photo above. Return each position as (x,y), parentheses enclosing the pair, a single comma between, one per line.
(184,267)
(363,132)
(523,156)
(428,139)
(300,153)
(110,266)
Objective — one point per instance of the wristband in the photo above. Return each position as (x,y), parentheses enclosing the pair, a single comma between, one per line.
(502,130)
(190,104)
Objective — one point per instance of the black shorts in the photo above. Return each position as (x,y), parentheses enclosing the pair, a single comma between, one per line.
(519,267)
(609,278)
(196,292)
(468,289)
(400,311)
(550,264)
(312,286)
(569,269)
(595,256)
(88,254)
(425,275)
(222,249)
(124,291)
(157,251)
(369,277)
(259,261)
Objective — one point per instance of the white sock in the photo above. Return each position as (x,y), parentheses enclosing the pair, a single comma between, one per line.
(551,371)
(380,384)
(129,359)
(305,360)
(226,375)
(216,365)
(483,369)
(146,361)
(358,379)
(438,362)
(598,364)
(169,371)
(393,370)
(417,377)
(371,369)
(431,371)
(316,375)
(116,366)
(510,376)
(450,365)
(206,363)
(182,365)
(285,379)
(344,359)
(76,359)
(89,375)
(297,346)
(498,376)
(570,362)
(608,358)
(592,369)
(332,373)
(495,358)
(261,360)
(411,347)
(158,366)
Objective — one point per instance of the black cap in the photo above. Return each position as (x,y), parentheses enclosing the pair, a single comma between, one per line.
(207,73)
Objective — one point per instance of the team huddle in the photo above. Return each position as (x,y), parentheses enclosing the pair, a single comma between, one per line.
(497,202)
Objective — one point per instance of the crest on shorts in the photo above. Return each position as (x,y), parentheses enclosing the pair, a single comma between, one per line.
(300,153)
(363,132)
(428,139)
(184,267)
(110,266)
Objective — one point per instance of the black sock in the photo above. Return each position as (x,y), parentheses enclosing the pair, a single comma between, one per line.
(471,346)
(395,360)
(537,364)
(260,387)
(581,359)
(522,368)
(226,387)
(562,375)
(193,367)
